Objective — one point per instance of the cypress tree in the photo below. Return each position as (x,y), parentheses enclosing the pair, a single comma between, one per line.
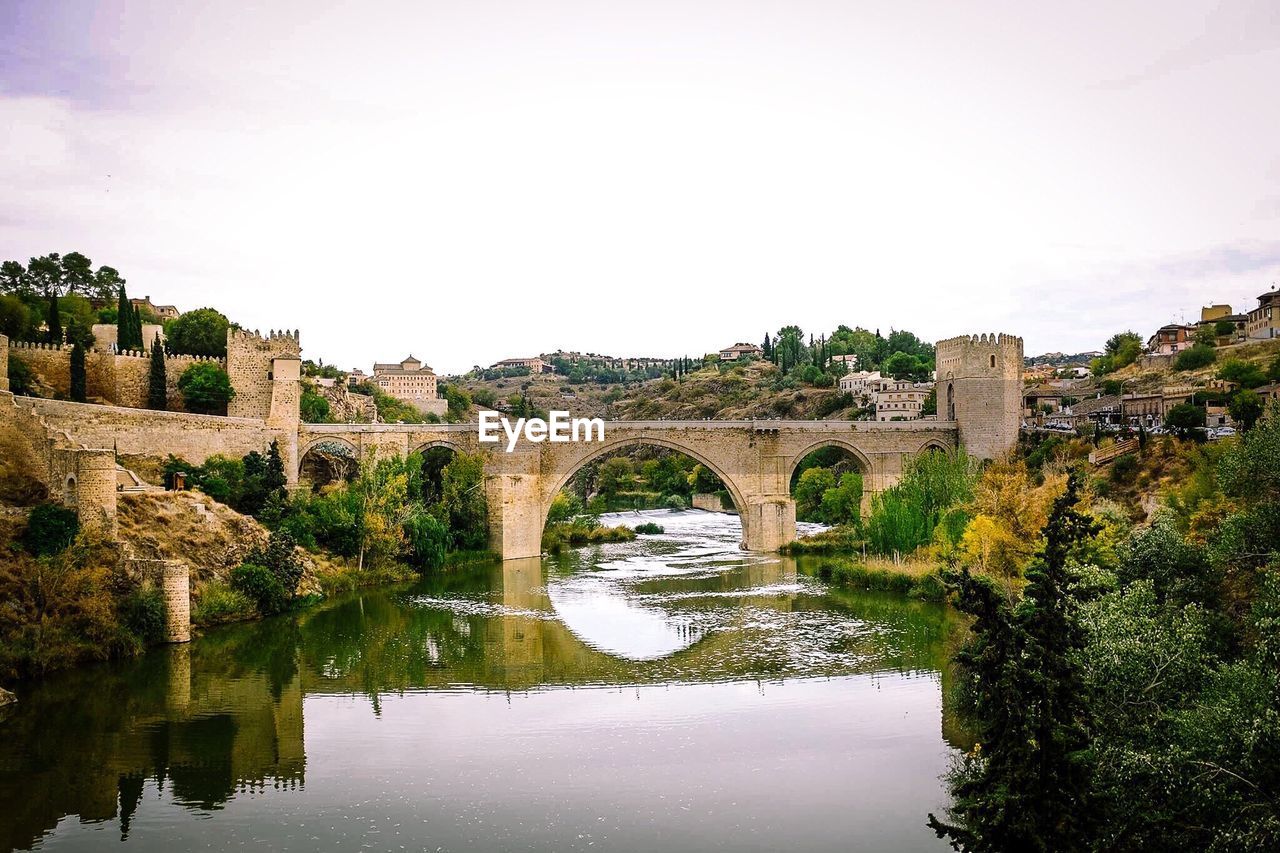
(77,372)
(136,316)
(1025,787)
(156,397)
(124,328)
(274,478)
(54,322)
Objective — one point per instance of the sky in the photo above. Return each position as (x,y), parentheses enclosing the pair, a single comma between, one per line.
(469,181)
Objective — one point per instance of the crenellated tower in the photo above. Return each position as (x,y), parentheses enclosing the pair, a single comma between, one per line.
(980,388)
(265,373)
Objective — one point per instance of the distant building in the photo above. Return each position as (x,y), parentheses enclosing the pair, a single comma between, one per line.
(164,312)
(356,376)
(900,400)
(411,381)
(850,361)
(535,364)
(1212,315)
(1263,322)
(1171,338)
(864,384)
(738,351)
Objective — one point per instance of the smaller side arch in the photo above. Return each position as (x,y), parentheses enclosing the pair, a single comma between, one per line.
(423,447)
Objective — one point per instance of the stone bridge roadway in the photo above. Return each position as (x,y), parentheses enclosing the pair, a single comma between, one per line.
(754,459)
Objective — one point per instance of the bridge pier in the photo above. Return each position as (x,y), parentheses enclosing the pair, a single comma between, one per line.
(768,523)
(515,515)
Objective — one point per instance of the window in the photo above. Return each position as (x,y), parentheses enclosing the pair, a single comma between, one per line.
(993,361)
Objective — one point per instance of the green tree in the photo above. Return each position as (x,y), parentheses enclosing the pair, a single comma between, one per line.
(205,388)
(1194,358)
(16,320)
(1246,408)
(810,488)
(53,322)
(1026,786)
(1224,329)
(199,332)
(157,394)
(463,506)
(124,323)
(843,504)
(1184,419)
(313,408)
(1205,336)
(1246,374)
(78,393)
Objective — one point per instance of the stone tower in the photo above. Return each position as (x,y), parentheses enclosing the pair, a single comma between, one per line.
(980,388)
(265,374)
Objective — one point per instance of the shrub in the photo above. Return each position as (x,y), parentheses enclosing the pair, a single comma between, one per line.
(427,541)
(205,388)
(199,332)
(218,603)
(50,529)
(675,502)
(261,586)
(649,528)
(280,558)
(143,612)
(1124,469)
(1195,357)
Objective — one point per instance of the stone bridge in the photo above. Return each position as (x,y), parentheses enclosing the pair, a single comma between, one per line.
(754,459)
(74,445)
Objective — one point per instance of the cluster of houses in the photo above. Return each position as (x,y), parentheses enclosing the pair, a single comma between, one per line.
(892,399)
(1260,324)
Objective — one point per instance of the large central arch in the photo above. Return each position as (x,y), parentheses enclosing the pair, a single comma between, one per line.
(558,479)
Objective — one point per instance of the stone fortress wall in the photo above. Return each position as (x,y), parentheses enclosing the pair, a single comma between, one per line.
(120,379)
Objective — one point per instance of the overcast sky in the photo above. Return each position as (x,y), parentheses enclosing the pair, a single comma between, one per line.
(469,181)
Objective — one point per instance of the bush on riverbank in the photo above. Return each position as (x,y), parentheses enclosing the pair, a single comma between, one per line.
(582,530)
(217,602)
(914,578)
(649,528)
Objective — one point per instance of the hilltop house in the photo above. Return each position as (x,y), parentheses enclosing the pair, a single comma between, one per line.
(535,365)
(1263,322)
(1171,338)
(738,351)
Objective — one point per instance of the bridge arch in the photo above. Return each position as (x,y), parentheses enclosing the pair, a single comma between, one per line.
(560,478)
(432,443)
(864,462)
(338,446)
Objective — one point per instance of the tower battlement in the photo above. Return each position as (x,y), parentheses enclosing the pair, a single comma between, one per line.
(980,388)
(264,372)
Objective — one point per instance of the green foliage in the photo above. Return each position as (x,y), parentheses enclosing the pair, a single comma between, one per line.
(1026,787)
(205,388)
(157,394)
(218,602)
(809,490)
(459,403)
(21,379)
(1122,349)
(260,586)
(648,528)
(78,377)
(1246,374)
(199,332)
(17,320)
(281,559)
(313,408)
(143,613)
(903,517)
(1195,357)
(50,529)
(428,540)
(1246,408)
(1224,328)
(1184,419)
(843,503)
(59,275)
(463,506)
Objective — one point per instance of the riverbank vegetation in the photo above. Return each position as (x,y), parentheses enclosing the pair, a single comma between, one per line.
(1128,696)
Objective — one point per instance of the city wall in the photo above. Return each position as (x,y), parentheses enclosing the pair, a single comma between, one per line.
(120,379)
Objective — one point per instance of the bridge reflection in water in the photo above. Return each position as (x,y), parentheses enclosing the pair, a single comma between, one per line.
(222,718)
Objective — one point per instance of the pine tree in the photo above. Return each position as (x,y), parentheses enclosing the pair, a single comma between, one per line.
(1025,785)
(156,395)
(274,478)
(77,372)
(54,322)
(767,347)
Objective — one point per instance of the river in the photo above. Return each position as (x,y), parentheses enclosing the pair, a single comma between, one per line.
(672,693)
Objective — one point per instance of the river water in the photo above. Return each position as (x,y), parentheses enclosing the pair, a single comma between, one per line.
(672,693)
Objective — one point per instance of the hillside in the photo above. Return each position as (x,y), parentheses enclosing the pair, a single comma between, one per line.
(755,389)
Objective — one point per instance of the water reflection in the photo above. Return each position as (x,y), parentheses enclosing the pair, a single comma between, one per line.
(444,707)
